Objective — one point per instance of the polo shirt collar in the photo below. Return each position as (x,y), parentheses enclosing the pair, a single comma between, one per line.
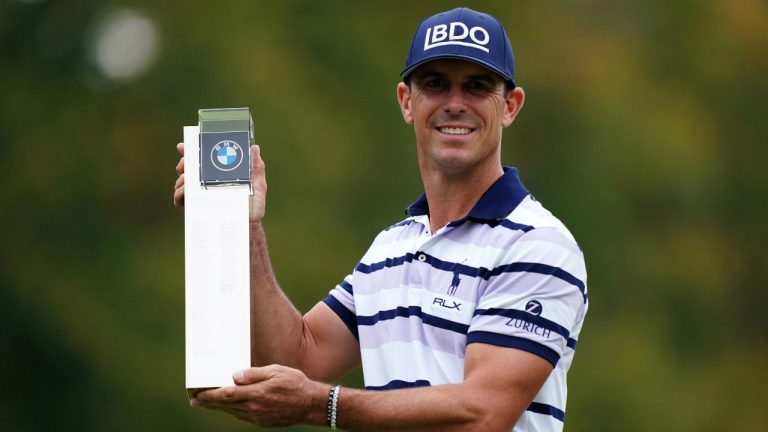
(495,204)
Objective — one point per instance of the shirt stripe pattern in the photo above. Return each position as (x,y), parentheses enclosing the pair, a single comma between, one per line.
(508,274)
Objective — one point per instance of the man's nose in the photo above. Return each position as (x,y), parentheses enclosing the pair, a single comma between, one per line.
(456,103)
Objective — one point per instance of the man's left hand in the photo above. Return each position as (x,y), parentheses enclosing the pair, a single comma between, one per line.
(269,396)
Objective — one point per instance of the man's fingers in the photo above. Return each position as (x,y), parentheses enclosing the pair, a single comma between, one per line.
(178,193)
(179,181)
(178,188)
(226,397)
(255,152)
(257,165)
(258,184)
(241,410)
(180,166)
(253,375)
(213,396)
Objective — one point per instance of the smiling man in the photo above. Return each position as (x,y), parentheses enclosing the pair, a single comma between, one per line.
(465,315)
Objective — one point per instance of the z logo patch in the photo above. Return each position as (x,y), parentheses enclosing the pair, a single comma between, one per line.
(533,307)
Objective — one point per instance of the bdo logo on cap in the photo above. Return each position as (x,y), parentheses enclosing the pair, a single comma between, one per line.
(226,155)
(457,33)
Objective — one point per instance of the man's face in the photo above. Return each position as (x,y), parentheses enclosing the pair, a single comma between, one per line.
(458,109)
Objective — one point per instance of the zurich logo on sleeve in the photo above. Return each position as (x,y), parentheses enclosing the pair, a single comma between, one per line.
(226,155)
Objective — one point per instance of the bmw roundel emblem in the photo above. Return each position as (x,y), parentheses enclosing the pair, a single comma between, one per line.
(226,155)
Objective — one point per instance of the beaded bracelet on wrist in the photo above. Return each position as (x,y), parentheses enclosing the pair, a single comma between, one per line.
(333,398)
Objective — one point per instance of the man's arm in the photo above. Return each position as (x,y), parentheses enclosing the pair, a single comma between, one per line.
(318,343)
(499,384)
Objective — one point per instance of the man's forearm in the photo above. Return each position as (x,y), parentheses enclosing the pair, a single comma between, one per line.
(276,325)
(499,385)
(450,407)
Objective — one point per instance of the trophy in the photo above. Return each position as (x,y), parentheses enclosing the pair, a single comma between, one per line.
(217,188)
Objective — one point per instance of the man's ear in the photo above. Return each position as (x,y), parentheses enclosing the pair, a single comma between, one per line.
(404,100)
(513,102)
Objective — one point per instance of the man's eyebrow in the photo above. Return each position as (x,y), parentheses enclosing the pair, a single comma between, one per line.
(486,77)
(428,74)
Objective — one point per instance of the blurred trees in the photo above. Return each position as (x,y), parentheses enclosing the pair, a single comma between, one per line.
(643,131)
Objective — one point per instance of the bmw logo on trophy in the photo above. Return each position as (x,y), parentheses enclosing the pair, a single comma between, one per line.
(225,136)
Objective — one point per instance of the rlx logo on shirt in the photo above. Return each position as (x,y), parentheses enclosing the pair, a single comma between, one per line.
(444,303)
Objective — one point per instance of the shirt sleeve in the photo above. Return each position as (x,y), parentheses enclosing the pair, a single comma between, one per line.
(535,298)
(341,300)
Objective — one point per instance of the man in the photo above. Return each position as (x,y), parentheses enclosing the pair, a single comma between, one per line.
(467,312)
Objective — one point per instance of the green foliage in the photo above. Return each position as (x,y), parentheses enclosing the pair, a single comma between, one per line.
(643,131)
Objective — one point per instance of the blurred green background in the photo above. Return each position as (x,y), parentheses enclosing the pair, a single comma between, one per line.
(644,130)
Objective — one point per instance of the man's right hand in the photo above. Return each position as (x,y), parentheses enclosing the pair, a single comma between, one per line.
(178,188)
(257,204)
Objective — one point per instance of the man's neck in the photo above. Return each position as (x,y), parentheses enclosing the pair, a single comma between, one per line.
(452,196)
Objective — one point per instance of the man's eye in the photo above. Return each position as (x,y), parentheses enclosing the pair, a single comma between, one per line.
(478,86)
(433,83)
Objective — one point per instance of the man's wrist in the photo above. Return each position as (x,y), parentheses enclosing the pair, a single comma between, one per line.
(256,228)
(317,415)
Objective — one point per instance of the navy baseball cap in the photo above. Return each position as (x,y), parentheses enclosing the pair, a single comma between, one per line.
(462,34)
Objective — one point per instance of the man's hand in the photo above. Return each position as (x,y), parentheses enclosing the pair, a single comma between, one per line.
(269,396)
(257,204)
(178,188)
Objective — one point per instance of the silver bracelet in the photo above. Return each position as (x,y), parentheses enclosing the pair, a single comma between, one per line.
(333,398)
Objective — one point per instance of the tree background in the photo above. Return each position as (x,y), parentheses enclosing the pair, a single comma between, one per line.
(644,131)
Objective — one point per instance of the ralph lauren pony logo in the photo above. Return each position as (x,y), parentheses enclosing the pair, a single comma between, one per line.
(455,282)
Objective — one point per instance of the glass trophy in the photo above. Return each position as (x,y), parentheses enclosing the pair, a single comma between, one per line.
(226,135)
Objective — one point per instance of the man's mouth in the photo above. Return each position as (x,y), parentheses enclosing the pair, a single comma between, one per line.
(455,130)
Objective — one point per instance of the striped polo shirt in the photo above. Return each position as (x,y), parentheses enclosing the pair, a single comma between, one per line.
(507,274)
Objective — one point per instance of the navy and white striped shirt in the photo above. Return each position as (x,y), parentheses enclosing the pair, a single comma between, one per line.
(508,274)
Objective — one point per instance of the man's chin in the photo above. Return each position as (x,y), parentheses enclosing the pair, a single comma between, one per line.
(455,164)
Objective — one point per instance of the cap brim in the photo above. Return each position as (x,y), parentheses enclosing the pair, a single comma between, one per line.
(404,74)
